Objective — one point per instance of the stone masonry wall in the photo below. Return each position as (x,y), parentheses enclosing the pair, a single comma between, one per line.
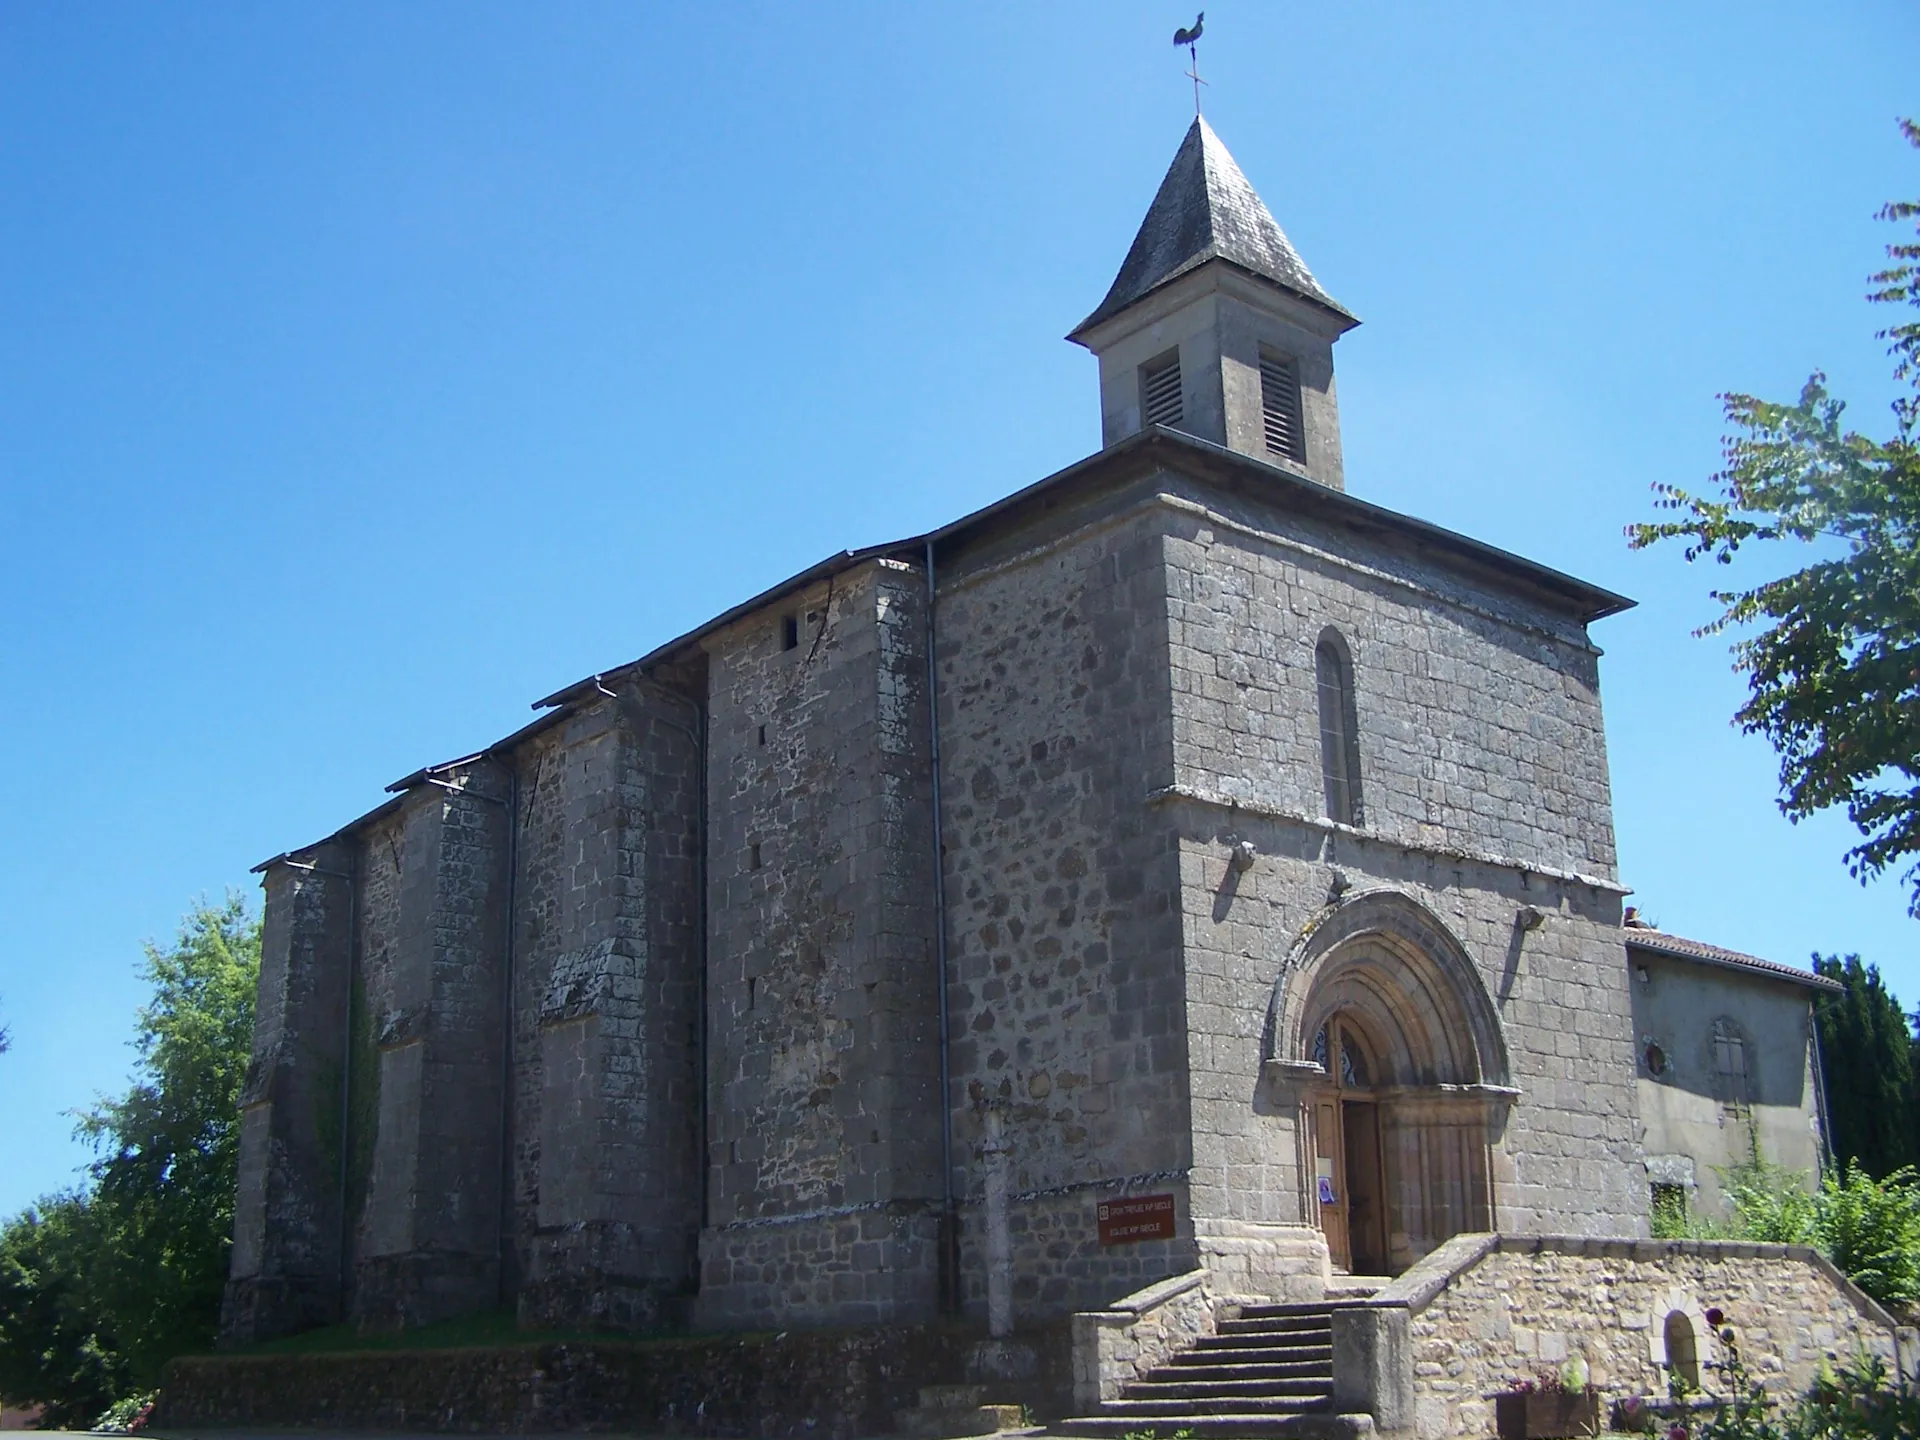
(823,1123)
(605,1136)
(1484,790)
(1065,994)
(286,1244)
(1480,726)
(378,866)
(816,1384)
(1117,1346)
(427,1243)
(1526,1308)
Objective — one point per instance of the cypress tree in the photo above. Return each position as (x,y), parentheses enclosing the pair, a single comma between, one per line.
(1867,1057)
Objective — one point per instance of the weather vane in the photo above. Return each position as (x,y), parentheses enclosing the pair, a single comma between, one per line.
(1190,39)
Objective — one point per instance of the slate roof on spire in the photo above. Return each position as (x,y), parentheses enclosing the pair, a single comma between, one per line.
(1205,210)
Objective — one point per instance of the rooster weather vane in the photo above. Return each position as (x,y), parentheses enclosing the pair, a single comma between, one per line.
(1190,38)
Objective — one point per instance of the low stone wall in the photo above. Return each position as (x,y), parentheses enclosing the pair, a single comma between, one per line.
(1257,1261)
(827,1385)
(1486,1311)
(1130,1337)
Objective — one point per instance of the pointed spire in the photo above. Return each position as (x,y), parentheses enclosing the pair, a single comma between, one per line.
(1205,210)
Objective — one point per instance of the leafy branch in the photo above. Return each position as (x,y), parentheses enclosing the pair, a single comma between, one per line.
(1831,651)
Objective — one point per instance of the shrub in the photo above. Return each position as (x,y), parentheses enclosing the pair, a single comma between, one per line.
(1859,1401)
(1773,1204)
(1871,1230)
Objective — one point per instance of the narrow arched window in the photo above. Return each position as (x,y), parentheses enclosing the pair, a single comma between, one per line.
(1339,744)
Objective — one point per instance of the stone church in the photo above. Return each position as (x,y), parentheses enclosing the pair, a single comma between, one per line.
(1180,866)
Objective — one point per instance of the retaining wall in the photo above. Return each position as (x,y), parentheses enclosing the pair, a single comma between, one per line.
(827,1385)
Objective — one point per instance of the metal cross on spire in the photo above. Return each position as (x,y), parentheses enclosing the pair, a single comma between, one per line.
(1190,39)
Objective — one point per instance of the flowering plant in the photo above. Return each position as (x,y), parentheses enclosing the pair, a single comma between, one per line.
(1572,1378)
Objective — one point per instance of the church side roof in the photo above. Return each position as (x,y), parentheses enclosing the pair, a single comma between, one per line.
(1135,455)
(1173,447)
(1206,210)
(1678,947)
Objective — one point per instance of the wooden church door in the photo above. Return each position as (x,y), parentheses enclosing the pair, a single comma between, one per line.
(1349,1180)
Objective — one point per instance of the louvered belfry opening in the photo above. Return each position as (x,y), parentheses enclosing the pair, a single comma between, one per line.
(1160,391)
(1280,406)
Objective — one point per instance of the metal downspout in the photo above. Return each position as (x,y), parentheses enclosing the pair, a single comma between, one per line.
(949,1238)
(1820,1087)
(507,1047)
(346,1067)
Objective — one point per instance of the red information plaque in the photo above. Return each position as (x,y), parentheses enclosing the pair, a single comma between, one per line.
(1141,1217)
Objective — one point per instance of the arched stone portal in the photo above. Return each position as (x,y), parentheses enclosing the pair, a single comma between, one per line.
(1382,1034)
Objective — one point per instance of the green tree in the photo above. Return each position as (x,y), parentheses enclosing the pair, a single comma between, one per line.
(1831,651)
(56,1341)
(1866,1059)
(129,1271)
(169,1148)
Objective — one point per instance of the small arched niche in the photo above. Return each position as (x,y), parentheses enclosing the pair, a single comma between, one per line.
(1683,1347)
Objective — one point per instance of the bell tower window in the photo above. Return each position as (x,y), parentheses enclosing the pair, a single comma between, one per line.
(1160,390)
(1280,406)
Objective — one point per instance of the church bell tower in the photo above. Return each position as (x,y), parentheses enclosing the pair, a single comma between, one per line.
(1215,326)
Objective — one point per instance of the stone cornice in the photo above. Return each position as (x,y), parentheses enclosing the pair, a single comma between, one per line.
(1192,795)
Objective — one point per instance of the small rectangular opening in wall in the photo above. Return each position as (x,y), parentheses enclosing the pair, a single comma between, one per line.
(753,856)
(789,632)
(1280,406)
(1160,402)
(763,734)
(753,987)
(1669,1205)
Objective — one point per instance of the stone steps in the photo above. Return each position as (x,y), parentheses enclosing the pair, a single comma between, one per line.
(1317,1426)
(956,1412)
(1267,1371)
(1308,1310)
(1217,1405)
(1280,1333)
(1188,1368)
(1299,1323)
(1292,1387)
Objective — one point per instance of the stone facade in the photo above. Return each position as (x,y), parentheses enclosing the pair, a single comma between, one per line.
(1066,1007)
(604,1178)
(823,1061)
(835,963)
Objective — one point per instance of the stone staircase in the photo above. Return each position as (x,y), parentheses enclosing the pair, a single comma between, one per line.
(953,1412)
(1267,1371)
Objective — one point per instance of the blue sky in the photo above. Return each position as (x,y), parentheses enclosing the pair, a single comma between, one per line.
(369,371)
